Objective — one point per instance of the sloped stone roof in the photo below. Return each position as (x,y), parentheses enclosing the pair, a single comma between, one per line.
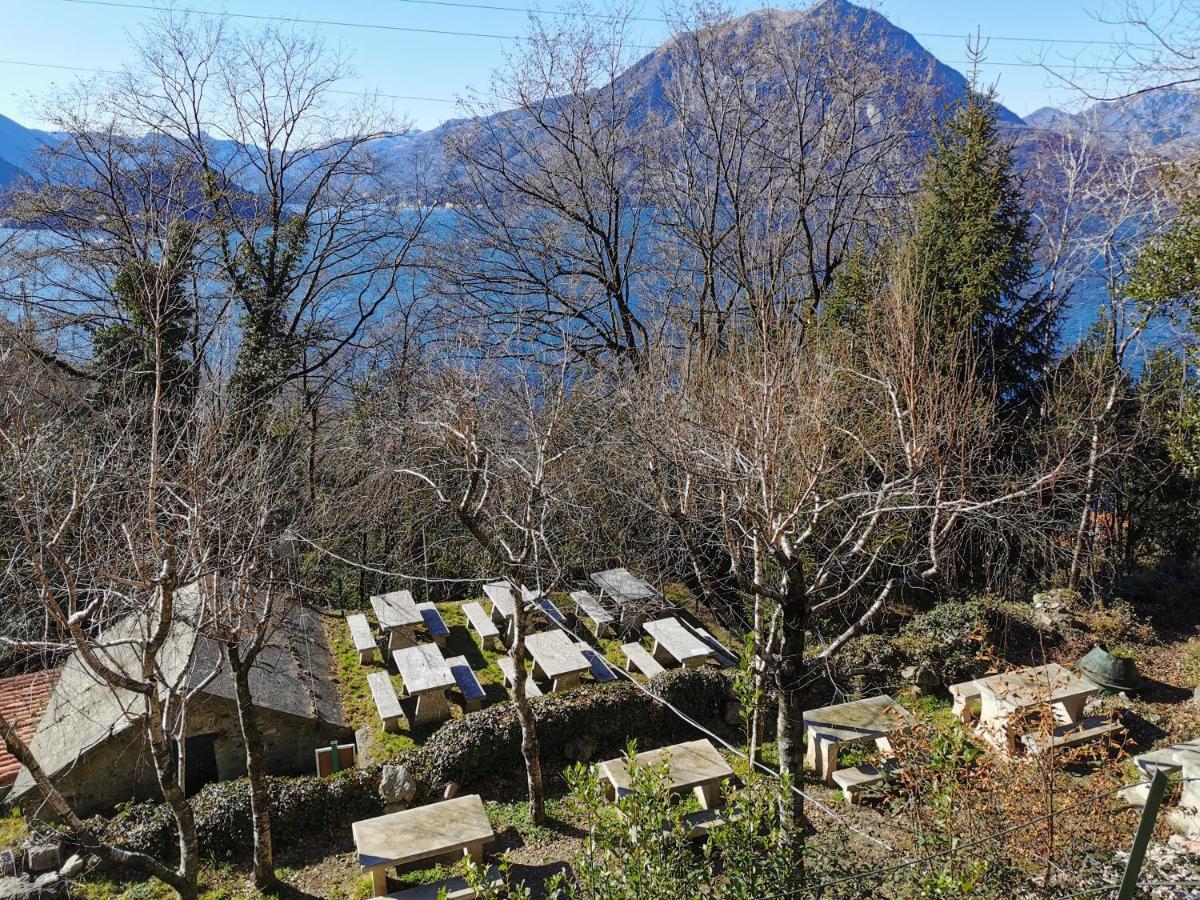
(292,675)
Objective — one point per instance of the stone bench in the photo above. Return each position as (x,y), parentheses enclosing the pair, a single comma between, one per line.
(387,704)
(588,607)
(545,606)
(468,684)
(855,779)
(1169,759)
(600,669)
(433,622)
(962,694)
(699,824)
(721,653)
(481,622)
(455,888)
(363,637)
(641,660)
(1075,734)
(510,677)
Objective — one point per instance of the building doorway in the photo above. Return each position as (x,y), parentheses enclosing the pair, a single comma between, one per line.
(201,762)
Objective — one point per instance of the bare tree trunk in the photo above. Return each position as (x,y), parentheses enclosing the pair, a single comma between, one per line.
(255,749)
(789,671)
(170,782)
(1088,495)
(80,831)
(530,748)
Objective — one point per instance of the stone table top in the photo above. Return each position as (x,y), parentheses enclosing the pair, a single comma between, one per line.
(556,654)
(396,610)
(423,668)
(677,639)
(859,720)
(623,586)
(500,593)
(422,832)
(691,765)
(1035,686)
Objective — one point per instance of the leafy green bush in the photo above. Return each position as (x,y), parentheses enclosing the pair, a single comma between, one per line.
(301,807)
(482,746)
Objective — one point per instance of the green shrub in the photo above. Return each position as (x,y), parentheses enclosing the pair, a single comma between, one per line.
(301,807)
(868,661)
(482,746)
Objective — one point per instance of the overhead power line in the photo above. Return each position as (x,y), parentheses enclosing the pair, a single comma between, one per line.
(94,71)
(447,32)
(526,10)
(415,97)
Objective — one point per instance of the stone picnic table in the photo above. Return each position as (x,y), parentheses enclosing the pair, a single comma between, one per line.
(500,595)
(424,832)
(1003,695)
(632,599)
(397,615)
(675,642)
(693,766)
(426,676)
(856,722)
(557,658)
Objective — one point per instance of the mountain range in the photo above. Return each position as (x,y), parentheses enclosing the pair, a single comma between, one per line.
(1166,120)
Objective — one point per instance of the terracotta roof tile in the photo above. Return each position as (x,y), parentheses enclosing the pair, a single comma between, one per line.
(22,700)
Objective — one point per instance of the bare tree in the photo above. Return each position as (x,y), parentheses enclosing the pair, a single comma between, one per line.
(547,244)
(295,227)
(1097,204)
(783,148)
(828,474)
(497,445)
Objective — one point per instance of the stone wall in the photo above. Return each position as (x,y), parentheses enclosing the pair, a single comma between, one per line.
(121,769)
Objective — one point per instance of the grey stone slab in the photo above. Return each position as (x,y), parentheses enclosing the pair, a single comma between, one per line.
(556,654)
(387,704)
(360,633)
(500,595)
(624,587)
(859,720)
(692,764)
(589,607)
(423,668)
(422,833)
(396,610)
(678,640)
(1035,686)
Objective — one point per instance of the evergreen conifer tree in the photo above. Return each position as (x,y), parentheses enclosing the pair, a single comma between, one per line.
(973,251)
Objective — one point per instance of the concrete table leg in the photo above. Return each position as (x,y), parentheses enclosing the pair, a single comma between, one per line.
(810,752)
(475,852)
(827,754)
(1069,710)
(661,655)
(431,707)
(379,881)
(709,795)
(566,682)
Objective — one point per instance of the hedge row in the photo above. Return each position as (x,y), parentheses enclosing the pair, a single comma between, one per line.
(302,807)
(474,750)
(485,746)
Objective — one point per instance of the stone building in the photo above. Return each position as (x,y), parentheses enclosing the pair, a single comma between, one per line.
(91,742)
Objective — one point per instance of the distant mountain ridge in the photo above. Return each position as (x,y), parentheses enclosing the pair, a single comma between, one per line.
(897,52)
(913,68)
(1166,120)
(17,145)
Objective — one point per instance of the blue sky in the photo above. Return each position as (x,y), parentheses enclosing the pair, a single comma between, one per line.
(441,67)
